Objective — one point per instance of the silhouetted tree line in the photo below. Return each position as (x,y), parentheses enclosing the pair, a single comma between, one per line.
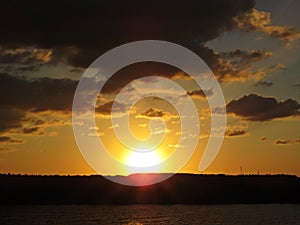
(179,189)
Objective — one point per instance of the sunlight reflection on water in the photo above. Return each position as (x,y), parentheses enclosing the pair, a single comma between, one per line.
(150,214)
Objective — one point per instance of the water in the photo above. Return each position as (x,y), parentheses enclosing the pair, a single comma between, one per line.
(151,214)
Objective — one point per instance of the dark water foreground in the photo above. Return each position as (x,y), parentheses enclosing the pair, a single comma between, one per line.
(179,189)
(253,214)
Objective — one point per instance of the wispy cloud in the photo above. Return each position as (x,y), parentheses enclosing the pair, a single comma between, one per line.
(287,141)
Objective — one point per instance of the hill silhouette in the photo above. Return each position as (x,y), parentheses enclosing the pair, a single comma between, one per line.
(179,189)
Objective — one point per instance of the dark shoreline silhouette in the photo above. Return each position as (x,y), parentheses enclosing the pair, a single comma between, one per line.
(179,189)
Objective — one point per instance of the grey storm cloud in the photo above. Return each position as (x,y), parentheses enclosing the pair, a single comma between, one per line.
(36,94)
(253,107)
(76,33)
(85,30)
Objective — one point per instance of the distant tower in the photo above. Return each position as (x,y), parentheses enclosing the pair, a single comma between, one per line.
(241,169)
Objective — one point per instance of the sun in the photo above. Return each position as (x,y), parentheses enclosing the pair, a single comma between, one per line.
(143,158)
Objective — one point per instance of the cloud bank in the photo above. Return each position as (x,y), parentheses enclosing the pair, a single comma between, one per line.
(253,107)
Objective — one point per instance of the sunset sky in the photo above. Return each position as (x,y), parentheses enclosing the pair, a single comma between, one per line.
(251,47)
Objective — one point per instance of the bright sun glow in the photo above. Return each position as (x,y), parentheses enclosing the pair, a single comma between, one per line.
(143,159)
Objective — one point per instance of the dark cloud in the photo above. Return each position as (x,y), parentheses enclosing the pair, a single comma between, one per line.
(77,33)
(24,56)
(253,107)
(233,133)
(91,27)
(139,70)
(153,112)
(224,69)
(34,121)
(6,139)
(10,118)
(296,85)
(20,60)
(282,142)
(246,57)
(265,83)
(287,141)
(239,65)
(200,93)
(30,130)
(37,126)
(37,122)
(36,94)
(21,95)
(263,139)
(106,108)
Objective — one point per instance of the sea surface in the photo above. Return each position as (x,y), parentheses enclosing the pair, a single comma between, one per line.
(151,214)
